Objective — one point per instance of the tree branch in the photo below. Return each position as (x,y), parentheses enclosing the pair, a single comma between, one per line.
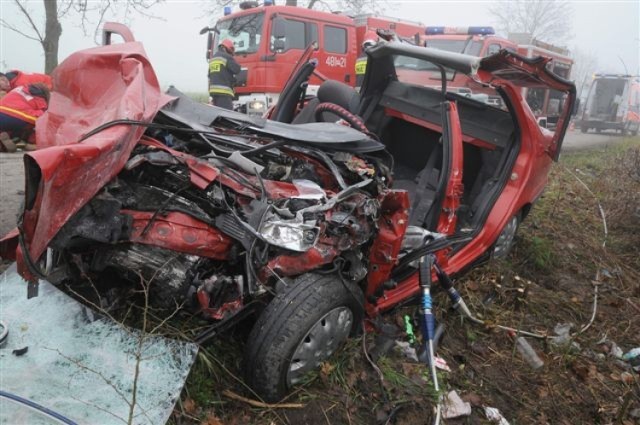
(12,28)
(25,12)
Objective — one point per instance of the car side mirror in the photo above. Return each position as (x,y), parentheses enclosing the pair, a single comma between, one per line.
(278,45)
(576,107)
(279,29)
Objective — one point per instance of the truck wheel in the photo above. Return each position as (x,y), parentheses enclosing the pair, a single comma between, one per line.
(506,239)
(300,328)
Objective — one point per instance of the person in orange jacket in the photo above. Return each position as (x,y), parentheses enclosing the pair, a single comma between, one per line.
(18,78)
(5,85)
(19,110)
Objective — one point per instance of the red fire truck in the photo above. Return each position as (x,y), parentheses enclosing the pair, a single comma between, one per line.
(270,39)
(545,103)
(481,41)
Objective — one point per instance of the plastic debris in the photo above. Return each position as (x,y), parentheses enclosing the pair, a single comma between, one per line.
(20,351)
(616,351)
(528,353)
(563,334)
(633,358)
(627,378)
(442,364)
(495,416)
(454,407)
(407,350)
(408,328)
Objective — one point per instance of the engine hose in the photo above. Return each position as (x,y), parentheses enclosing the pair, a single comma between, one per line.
(38,408)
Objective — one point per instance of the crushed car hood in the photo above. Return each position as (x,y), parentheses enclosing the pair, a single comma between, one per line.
(93,87)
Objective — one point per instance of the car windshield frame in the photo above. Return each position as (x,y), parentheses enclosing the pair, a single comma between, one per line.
(432,78)
(245,31)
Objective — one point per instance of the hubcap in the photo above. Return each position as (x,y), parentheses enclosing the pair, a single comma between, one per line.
(505,240)
(319,343)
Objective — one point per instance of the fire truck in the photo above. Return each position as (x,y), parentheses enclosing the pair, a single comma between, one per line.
(613,103)
(270,39)
(545,103)
(481,41)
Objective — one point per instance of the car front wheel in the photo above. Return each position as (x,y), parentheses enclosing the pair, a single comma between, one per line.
(300,328)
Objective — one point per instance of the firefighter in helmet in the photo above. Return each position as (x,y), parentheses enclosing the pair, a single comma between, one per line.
(370,40)
(223,69)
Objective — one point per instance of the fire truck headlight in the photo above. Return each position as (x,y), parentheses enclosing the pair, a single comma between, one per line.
(256,106)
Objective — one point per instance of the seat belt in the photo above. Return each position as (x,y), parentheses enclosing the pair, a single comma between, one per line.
(425,190)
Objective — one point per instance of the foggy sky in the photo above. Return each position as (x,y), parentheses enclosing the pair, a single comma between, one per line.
(609,29)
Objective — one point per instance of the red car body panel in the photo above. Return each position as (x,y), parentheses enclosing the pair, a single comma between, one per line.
(92,87)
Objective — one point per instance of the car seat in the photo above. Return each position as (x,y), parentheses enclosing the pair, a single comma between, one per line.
(330,91)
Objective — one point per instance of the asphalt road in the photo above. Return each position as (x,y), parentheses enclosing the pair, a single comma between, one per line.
(12,186)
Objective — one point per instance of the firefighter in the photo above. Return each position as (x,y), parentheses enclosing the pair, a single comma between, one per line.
(19,110)
(18,78)
(223,69)
(370,40)
(5,85)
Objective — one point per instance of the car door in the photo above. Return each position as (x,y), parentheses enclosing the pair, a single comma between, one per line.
(509,68)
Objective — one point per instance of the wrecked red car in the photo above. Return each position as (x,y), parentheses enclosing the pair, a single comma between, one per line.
(309,224)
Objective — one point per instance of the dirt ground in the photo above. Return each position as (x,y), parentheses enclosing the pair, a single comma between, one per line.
(550,279)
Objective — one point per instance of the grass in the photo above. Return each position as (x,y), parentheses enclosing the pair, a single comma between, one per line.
(547,280)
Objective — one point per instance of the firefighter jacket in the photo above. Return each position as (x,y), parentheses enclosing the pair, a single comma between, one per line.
(361,67)
(222,71)
(19,78)
(25,103)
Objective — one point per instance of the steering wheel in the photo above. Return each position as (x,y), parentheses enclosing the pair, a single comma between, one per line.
(353,120)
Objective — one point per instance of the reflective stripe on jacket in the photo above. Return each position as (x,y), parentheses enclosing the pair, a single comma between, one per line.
(20,103)
(361,68)
(222,71)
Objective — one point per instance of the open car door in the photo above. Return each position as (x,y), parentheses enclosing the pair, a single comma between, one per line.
(508,68)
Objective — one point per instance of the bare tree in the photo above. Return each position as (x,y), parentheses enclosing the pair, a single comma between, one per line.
(584,66)
(548,20)
(90,13)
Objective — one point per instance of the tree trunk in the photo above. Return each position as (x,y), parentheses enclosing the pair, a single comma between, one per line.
(52,32)
(292,2)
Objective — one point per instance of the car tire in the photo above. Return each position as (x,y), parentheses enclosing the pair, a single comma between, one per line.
(584,129)
(300,328)
(504,244)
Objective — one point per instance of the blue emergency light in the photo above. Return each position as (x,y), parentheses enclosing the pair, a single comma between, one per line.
(227,10)
(459,30)
(268,2)
(434,30)
(480,31)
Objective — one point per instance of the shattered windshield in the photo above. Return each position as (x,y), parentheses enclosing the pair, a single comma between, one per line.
(244,31)
(424,73)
